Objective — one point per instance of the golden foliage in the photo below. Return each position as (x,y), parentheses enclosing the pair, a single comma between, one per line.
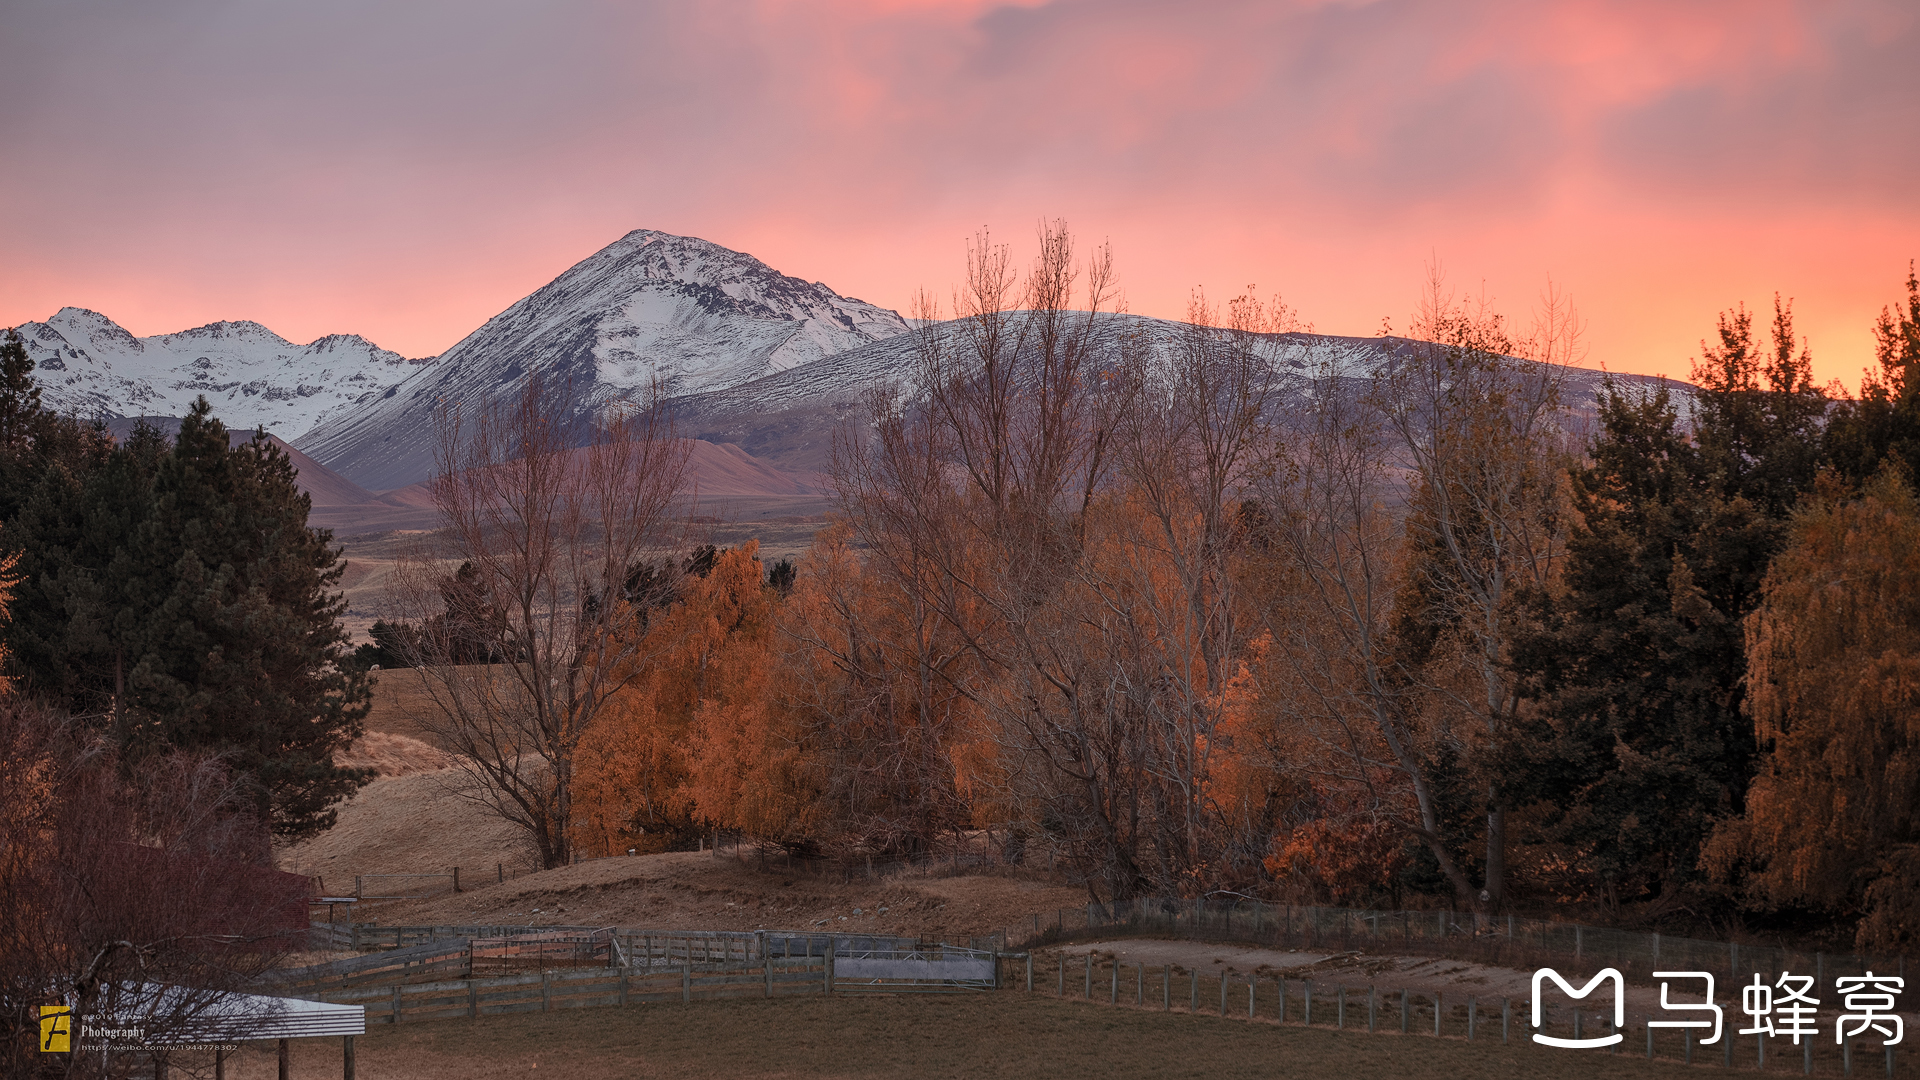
(1834,676)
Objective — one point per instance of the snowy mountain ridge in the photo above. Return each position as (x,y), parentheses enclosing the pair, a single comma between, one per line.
(88,365)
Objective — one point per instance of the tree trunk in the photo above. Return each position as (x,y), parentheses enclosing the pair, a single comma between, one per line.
(1496,857)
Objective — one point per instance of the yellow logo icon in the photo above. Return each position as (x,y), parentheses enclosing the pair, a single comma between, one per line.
(56,1029)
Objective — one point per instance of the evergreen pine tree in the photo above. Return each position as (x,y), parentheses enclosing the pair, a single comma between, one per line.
(241,647)
(1884,422)
(1637,745)
(1636,668)
(176,593)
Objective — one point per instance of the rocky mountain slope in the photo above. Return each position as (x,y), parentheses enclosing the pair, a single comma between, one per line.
(88,365)
(690,314)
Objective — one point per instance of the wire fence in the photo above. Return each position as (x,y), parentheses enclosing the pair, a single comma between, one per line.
(1378,1009)
(1505,940)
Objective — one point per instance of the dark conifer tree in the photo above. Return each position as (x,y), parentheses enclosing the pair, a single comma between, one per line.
(176,593)
(1637,743)
(1885,421)
(242,648)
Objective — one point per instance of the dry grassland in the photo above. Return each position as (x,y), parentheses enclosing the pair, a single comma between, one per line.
(991,1035)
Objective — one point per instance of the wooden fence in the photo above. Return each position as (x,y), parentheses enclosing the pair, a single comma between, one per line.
(544,991)
(893,963)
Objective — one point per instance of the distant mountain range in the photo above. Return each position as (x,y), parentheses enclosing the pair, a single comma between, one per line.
(760,367)
(88,365)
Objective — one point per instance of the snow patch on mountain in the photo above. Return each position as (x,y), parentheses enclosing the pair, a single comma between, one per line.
(88,365)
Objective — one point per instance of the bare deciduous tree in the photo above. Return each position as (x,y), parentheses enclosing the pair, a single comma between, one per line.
(1477,417)
(555,521)
(120,879)
(1334,537)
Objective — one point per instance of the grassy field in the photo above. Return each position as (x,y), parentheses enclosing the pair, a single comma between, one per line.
(1005,1034)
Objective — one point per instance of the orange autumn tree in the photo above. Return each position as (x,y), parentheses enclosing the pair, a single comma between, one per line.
(672,759)
(749,767)
(1833,660)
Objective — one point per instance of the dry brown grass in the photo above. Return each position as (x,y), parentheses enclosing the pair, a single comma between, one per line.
(406,825)
(393,755)
(401,704)
(1003,1034)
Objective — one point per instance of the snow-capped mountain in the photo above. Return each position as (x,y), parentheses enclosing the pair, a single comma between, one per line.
(88,365)
(694,315)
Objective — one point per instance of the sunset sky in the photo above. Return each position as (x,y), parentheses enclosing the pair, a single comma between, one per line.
(404,169)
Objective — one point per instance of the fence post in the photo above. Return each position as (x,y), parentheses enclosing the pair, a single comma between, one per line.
(1060,986)
(395,1007)
(456,879)
(1579,942)
(356,887)
(1406,1010)
(1166,988)
(546,991)
(1283,1000)
(1029,973)
(1140,984)
(1087,991)
(686,980)
(1340,1007)
(1506,1017)
(1473,1013)
(1371,1009)
(1306,1015)
(623,986)
(1113,994)
(473,996)
(346,1057)
(1193,1006)
(1223,993)
(1251,1003)
(1436,1014)
(766,962)
(832,948)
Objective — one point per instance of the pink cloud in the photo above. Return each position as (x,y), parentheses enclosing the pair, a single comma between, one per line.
(407,170)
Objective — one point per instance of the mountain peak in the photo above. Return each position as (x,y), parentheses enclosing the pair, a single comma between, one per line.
(651,307)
